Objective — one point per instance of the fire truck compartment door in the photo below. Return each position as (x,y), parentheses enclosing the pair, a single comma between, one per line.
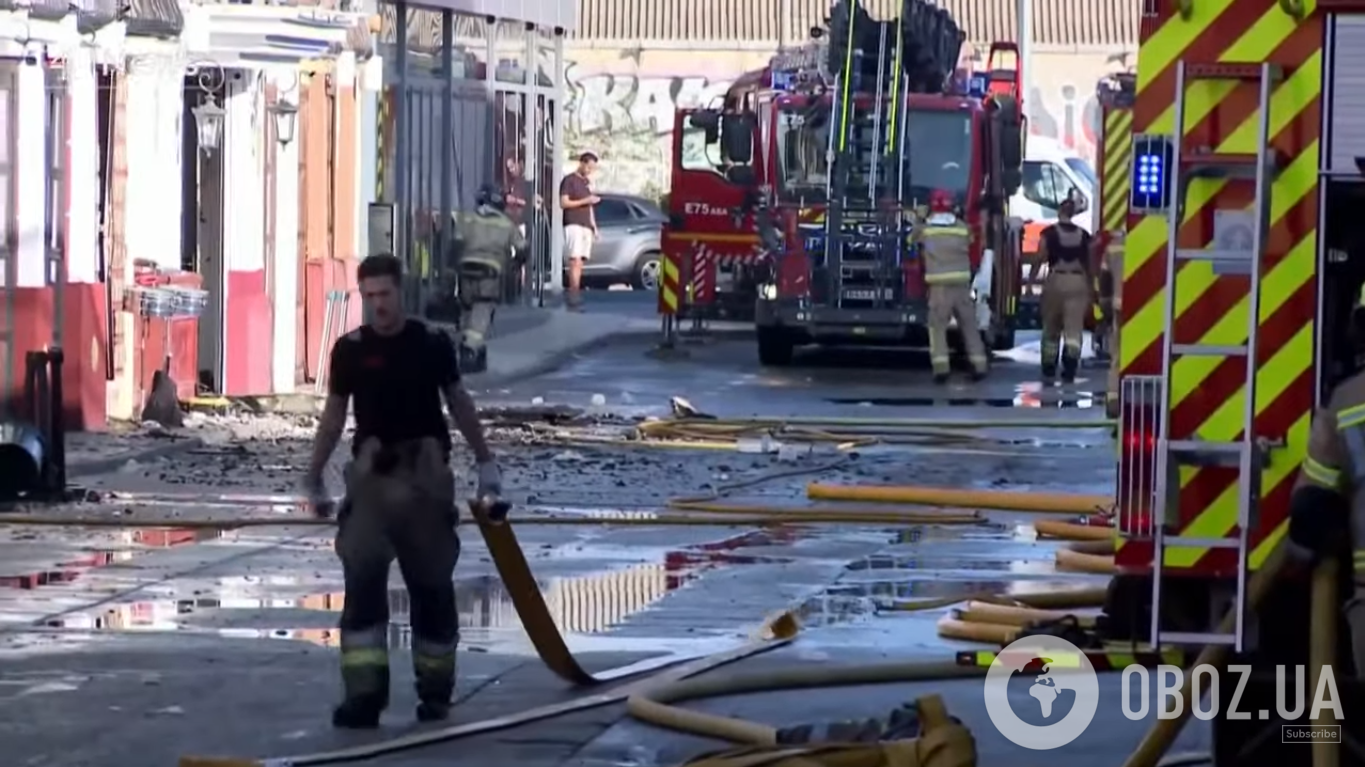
(1346,100)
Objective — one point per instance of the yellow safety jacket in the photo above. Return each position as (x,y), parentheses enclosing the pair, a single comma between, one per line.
(946,249)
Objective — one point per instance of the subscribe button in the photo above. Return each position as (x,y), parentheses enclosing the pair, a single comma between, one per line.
(1307,733)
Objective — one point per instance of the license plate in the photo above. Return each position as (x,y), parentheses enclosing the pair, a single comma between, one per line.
(861,295)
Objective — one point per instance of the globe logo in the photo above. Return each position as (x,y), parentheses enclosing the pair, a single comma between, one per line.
(1041,692)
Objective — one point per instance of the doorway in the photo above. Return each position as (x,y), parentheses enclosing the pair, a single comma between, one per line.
(1341,275)
(201,236)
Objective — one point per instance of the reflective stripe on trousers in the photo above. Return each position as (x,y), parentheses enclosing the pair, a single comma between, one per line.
(947,277)
(365,662)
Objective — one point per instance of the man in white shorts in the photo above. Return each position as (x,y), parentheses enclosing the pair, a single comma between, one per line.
(576,198)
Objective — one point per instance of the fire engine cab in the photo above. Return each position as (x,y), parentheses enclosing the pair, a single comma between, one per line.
(795,199)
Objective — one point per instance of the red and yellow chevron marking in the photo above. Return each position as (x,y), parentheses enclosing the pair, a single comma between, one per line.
(1207,393)
(670,286)
(1116,161)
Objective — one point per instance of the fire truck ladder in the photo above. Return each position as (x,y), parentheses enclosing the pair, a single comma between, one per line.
(862,276)
(1246,454)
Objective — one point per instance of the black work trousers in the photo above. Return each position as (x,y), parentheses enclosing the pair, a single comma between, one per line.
(400,505)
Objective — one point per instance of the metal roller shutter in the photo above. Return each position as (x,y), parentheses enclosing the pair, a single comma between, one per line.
(1347,99)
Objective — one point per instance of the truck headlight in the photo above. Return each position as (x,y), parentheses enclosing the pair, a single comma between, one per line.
(767,292)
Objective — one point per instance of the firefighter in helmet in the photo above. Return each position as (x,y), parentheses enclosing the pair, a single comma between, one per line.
(1328,503)
(1065,247)
(945,245)
(487,242)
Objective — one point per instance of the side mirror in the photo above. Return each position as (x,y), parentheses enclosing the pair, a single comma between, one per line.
(737,132)
(706,119)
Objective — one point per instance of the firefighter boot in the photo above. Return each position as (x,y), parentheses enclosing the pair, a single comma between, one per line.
(1071,359)
(361,711)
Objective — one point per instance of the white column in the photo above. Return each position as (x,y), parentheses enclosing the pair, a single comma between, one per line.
(285,269)
(82,260)
(243,231)
(30,188)
(155,101)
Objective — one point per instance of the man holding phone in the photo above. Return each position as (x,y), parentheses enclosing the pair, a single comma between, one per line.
(576,198)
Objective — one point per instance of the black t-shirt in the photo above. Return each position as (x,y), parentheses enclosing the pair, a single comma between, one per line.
(575,187)
(396,382)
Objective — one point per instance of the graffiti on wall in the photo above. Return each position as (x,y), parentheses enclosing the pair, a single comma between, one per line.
(627,120)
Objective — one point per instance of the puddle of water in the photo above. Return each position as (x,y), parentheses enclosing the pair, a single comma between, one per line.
(69,572)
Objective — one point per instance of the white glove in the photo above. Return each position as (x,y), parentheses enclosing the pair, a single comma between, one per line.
(490,480)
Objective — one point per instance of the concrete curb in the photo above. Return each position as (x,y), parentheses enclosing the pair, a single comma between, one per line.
(114,462)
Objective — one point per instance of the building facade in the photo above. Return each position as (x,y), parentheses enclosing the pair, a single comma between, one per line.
(473,95)
(150,203)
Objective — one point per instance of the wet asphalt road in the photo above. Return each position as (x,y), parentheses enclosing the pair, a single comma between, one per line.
(121,634)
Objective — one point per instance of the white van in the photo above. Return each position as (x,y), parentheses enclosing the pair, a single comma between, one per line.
(1051,171)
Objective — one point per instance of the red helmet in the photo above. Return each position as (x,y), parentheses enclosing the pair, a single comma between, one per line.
(941,201)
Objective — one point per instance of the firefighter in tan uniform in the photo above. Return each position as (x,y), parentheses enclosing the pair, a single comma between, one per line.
(1113,265)
(945,244)
(487,244)
(1328,503)
(1065,247)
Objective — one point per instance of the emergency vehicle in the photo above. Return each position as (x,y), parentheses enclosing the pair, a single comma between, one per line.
(1242,261)
(759,214)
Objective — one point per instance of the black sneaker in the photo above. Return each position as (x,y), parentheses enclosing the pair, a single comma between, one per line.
(357,715)
(433,711)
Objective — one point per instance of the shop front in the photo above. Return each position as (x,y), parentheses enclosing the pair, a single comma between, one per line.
(473,95)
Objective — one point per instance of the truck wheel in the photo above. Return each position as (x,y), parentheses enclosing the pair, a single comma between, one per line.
(775,347)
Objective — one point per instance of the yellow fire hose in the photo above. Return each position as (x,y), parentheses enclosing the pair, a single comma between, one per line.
(656,704)
(1070,531)
(951,747)
(889,424)
(1002,500)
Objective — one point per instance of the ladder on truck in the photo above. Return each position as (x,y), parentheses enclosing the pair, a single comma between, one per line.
(864,230)
(1246,454)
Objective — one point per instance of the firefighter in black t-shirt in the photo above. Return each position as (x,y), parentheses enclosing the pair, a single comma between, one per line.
(400,501)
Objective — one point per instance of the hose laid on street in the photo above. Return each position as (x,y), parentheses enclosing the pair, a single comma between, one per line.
(891,423)
(1080,562)
(1000,500)
(752,516)
(656,705)
(1070,531)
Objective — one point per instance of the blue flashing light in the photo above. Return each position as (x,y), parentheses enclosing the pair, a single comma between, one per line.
(977,86)
(783,80)
(1152,157)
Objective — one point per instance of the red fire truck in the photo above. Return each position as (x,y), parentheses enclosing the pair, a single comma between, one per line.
(795,196)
